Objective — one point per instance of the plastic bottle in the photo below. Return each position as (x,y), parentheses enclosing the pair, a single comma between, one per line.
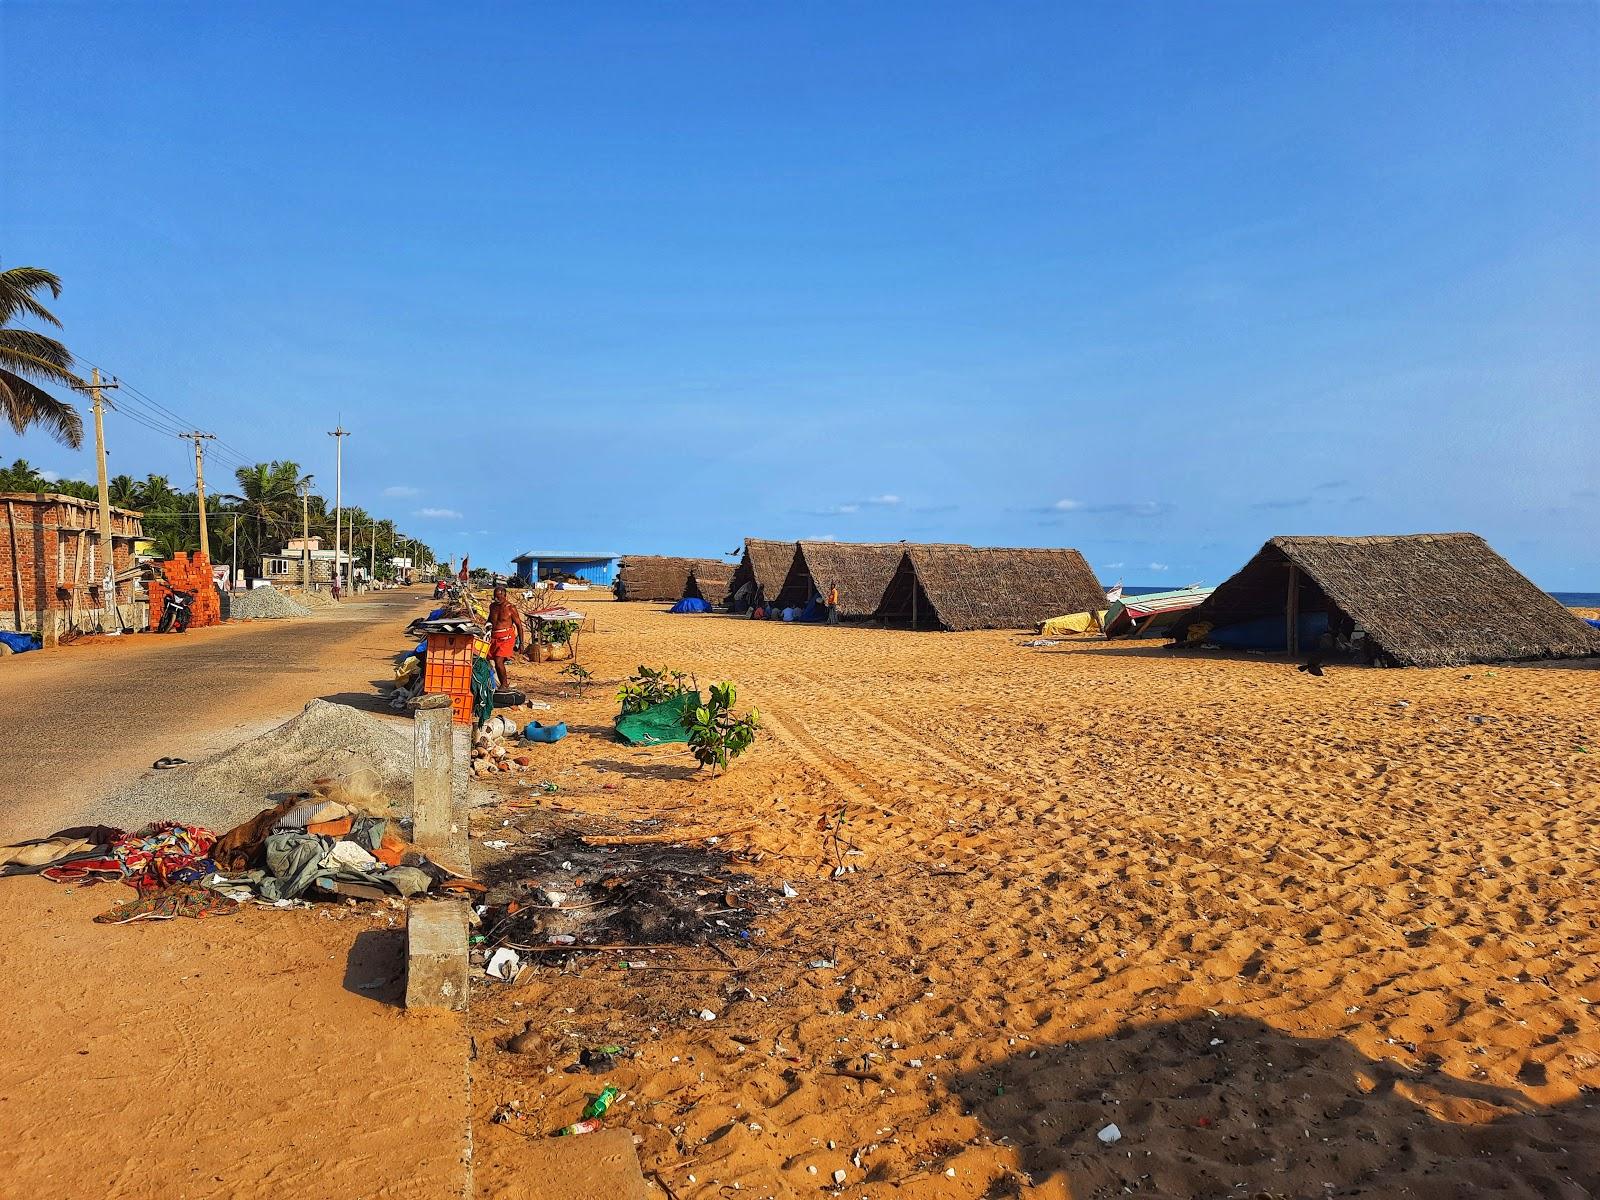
(578,1127)
(598,1106)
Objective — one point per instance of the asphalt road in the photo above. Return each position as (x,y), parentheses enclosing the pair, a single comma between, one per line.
(80,722)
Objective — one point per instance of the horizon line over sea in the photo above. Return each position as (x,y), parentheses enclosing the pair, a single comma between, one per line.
(1565,599)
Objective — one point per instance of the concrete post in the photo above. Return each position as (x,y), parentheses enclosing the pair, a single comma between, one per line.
(431,808)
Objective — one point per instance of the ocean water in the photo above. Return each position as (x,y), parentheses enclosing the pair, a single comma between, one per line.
(1569,599)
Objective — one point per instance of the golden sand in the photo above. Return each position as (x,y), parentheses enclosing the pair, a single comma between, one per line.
(1291,935)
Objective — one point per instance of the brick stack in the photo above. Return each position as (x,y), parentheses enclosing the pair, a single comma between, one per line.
(187,573)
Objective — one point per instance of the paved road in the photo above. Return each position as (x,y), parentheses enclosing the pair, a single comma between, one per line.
(77,723)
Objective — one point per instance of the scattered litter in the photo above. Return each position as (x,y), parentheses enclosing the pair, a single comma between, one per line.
(1110,1134)
(561,939)
(599,1059)
(822,964)
(496,843)
(166,764)
(503,964)
(707,1015)
(788,892)
(839,1177)
(1216,1041)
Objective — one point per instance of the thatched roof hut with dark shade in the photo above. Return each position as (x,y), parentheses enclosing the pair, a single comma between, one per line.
(860,569)
(760,573)
(1414,600)
(708,581)
(986,587)
(656,576)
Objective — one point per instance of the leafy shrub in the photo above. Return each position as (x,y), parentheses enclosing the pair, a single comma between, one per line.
(651,686)
(715,735)
(559,633)
(579,675)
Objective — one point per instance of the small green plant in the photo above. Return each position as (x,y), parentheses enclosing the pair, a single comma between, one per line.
(559,633)
(579,676)
(716,736)
(651,686)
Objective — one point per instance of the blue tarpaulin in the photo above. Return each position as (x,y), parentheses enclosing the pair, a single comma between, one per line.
(20,643)
(690,604)
(1269,633)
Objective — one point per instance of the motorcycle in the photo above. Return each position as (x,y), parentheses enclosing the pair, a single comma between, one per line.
(176,609)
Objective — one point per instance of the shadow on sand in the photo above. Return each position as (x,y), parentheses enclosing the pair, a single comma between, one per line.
(1230,1106)
(643,770)
(376,967)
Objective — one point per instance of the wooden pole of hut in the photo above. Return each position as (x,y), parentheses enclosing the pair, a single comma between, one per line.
(1292,611)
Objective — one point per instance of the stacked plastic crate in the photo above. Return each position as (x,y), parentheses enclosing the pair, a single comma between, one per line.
(448,670)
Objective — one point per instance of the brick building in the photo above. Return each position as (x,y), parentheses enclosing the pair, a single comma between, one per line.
(53,566)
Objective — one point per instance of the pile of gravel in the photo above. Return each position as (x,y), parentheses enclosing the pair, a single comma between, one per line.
(332,741)
(314,599)
(265,604)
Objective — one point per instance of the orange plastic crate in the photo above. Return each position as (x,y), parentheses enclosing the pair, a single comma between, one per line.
(461,709)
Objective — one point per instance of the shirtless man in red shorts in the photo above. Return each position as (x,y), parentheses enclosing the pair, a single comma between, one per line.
(505,622)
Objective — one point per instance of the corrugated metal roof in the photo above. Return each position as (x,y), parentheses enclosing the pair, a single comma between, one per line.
(562,556)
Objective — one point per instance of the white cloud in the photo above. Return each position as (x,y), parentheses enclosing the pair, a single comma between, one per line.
(1112,566)
(400,489)
(820,537)
(887,500)
(1156,566)
(1067,505)
(50,476)
(444,514)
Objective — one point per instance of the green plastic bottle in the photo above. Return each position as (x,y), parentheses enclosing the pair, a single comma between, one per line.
(598,1106)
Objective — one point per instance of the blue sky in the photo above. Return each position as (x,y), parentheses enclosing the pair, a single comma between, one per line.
(1156,282)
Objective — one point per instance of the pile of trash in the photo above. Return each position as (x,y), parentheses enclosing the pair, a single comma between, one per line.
(265,604)
(321,844)
(569,892)
(501,746)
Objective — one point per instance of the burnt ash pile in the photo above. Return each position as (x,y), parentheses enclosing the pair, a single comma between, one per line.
(629,895)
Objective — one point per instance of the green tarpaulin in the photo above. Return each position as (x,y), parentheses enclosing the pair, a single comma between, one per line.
(659,723)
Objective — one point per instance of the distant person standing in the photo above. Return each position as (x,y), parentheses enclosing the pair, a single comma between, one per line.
(833,603)
(505,623)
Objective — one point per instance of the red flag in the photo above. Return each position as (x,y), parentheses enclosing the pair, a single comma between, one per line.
(464,567)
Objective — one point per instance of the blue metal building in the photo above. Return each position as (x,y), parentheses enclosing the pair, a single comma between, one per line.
(598,569)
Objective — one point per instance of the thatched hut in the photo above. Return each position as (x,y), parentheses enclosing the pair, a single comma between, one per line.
(760,574)
(1417,600)
(656,576)
(987,587)
(708,581)
(860,569)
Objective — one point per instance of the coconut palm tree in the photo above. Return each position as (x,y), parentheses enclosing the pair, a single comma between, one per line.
(29,358)
(124,491)
(269,498)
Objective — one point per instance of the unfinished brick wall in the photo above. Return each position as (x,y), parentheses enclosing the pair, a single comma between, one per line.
(52,564)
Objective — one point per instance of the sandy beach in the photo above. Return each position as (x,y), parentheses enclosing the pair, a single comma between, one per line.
(1292,936)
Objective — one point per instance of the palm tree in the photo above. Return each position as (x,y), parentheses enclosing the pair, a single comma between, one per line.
(29,358)
(124,491)
(270,495)
(156,494)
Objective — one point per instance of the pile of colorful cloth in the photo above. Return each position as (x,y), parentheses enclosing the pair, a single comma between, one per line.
(321,843)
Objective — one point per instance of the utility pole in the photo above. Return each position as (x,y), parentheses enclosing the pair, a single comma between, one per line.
(200,483)
(338,435)
(94,387)
(233,575)
(305,534)
(372,563)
